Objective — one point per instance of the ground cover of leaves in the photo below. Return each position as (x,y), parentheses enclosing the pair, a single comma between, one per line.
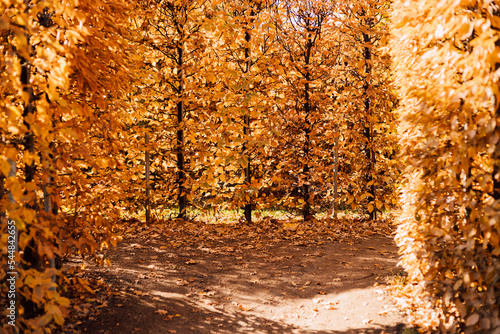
(272,276)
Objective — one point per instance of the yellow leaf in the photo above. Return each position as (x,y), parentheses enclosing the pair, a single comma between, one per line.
(4,167)
(17,191)
(58,318)
(11,153)
(4,23)
(63,301)
(44,320)
(101,162)
(29,215)
(290,226)
(465,30)
(53,309)
(38,293)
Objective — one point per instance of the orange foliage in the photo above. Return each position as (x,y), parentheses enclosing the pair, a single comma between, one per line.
(446,61)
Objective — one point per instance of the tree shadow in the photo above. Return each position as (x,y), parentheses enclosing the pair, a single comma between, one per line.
(134,314)
(215,287)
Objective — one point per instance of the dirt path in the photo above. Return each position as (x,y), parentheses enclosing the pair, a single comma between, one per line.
(163,284)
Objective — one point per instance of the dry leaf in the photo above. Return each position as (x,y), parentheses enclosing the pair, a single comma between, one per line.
(472,320)
(182,282)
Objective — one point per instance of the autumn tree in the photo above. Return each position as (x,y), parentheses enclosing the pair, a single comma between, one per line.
(173,97)
(446,61)
(306,33)
(364,93)
(243,53)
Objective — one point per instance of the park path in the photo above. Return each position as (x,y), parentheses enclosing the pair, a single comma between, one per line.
(163,281)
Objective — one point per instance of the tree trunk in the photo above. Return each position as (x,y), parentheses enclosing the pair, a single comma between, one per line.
(306,210)
(246,130)
(368,131)
(335,172)
(30,258)
(148,203)
(3,214)
(181,173)
(496,168)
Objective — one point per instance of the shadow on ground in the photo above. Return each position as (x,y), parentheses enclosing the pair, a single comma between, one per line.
(243,287)
(183,317)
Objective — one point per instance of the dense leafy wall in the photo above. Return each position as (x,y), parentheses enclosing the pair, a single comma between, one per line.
(446,58)
(61,122)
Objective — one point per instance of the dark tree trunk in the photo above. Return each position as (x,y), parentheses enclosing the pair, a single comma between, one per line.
(148,201)
(246,130)
(368,130)
(496,168)
(30,258)
(306,210)
(335,172)
(181,173)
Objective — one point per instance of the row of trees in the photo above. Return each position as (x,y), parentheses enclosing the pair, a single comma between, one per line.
(247,103)
(236,103)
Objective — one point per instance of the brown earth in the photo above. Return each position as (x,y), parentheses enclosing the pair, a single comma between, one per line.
(273,277)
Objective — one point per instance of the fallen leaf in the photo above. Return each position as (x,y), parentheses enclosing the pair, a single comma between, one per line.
(208,293)
(191,261)
(161,312)
(472,320)
(182,282)
(330,305)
